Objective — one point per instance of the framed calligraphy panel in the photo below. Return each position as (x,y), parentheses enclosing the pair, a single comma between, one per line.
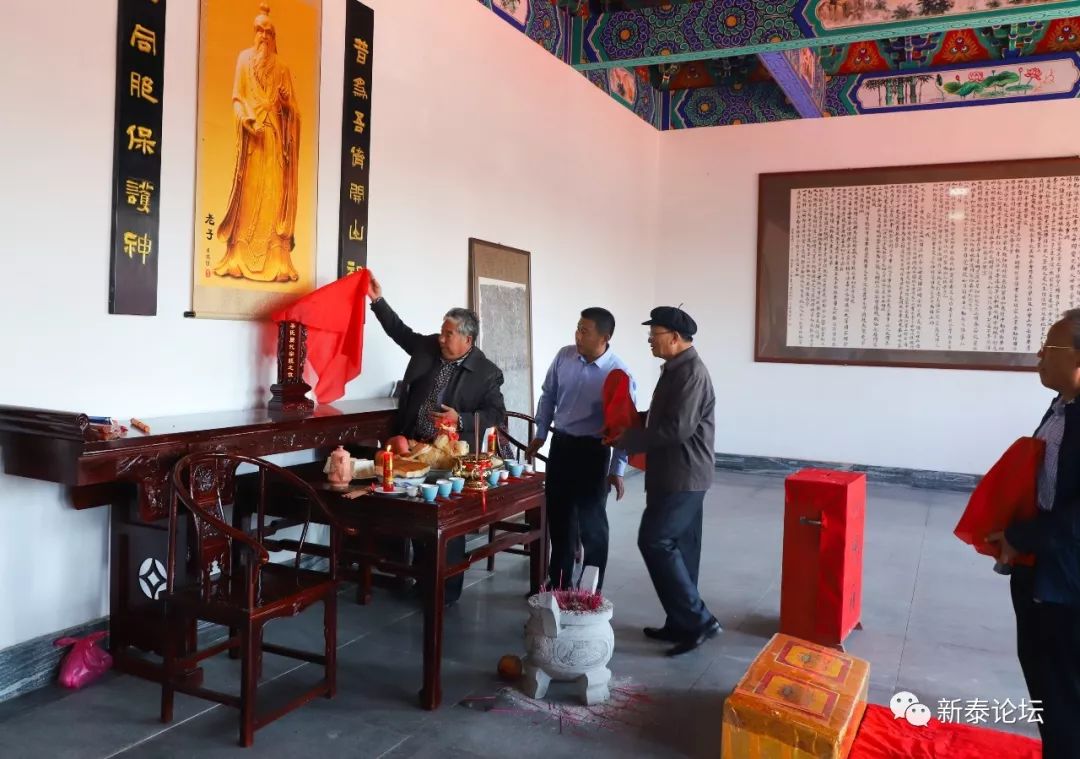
(500,292)
(960,266)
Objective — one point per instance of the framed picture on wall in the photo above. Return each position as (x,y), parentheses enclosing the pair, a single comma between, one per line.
(959,266)
(500,292)
(257,156)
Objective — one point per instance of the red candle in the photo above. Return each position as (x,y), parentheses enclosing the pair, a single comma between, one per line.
(388,471)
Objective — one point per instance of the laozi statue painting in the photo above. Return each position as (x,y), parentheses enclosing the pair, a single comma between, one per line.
(257,155)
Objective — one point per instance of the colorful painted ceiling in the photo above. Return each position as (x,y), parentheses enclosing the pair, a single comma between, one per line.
(687,63)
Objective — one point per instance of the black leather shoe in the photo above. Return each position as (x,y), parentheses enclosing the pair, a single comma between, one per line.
(688,644)
(664,633)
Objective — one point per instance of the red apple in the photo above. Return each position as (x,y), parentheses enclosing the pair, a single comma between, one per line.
(399,444)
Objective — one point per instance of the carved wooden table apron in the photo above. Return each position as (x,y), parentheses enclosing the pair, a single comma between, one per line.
(374,516)
(130,474)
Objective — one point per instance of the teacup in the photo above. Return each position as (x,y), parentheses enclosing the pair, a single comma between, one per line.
(503,475)
(457,484)
(515,468)
(528,469)
(412,491)
(429,491)
(493,478)
(444,487)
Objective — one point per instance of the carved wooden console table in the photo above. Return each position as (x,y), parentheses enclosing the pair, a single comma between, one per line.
(131,473)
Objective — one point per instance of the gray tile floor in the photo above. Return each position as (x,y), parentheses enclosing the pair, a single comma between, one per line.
(937,622)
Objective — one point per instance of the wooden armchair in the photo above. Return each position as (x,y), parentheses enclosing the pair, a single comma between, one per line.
(229,580)
(519,447)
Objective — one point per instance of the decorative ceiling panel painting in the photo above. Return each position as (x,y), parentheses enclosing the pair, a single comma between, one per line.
(729,105)
(680,64)
(539,20)
(547,24)
(673,32)
(1033,79)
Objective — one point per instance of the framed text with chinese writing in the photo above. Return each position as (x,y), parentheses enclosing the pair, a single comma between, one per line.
(960,266)
(140,84)
(356,137)
(500,292)
(257,164)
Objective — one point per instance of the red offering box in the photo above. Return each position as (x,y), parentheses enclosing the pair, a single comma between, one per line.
(821,581)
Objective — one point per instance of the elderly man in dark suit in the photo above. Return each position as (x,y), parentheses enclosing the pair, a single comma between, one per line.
(448,379)
(678,440)
(1046,598)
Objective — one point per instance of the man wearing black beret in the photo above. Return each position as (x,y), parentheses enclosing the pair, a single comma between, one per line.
(678,442)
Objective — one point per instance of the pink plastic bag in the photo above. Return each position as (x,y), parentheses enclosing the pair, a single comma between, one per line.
(85,662)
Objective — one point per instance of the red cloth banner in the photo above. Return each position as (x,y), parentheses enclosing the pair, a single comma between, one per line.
(620,413)
(881,736)
(1007,493)
(334,317)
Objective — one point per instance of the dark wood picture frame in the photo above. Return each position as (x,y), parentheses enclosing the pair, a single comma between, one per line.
(774,226)
(490,260)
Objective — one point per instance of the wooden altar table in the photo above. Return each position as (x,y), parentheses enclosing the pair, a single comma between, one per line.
(374,516)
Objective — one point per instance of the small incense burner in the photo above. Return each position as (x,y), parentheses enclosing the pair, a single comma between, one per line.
(474,468)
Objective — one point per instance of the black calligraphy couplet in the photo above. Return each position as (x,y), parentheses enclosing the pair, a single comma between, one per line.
(355,138)
(140,87)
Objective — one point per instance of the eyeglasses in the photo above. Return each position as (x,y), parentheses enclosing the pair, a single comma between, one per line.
(657,334)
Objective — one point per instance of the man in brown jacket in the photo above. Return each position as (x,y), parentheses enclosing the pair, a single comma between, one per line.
(678,441)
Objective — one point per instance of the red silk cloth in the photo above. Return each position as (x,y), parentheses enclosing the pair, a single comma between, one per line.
(1007,493)
(334,317)
(881,736)
(620,413)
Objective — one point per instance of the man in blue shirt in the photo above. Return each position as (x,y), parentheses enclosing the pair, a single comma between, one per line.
(581,470)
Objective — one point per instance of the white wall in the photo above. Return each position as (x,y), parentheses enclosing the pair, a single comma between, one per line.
(476,132)
(926,419)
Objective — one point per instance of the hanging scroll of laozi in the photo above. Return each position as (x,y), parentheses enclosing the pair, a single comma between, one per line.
(961,266)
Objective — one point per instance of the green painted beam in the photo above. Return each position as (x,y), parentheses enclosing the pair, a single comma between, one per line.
(682,49)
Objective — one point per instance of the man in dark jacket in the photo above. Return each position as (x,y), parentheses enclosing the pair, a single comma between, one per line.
(448,379)
(1046,599)
(678,442)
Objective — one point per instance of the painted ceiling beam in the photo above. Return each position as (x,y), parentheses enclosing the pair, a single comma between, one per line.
(1012,43)
(721,28)
(593,7)
(800,76)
